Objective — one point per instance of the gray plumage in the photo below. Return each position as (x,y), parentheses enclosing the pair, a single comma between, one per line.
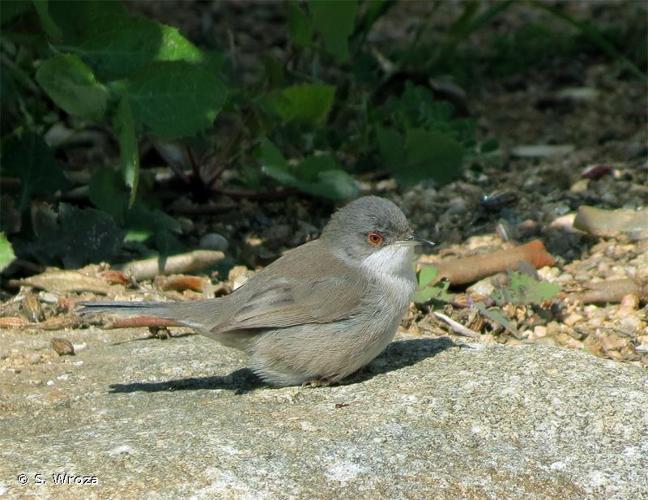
(321,311)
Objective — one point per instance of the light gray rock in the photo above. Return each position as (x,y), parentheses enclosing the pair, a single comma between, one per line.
(428,419)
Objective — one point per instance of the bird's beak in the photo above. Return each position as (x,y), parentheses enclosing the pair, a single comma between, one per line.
(413,241)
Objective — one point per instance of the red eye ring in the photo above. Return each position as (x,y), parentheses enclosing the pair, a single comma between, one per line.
(375,239)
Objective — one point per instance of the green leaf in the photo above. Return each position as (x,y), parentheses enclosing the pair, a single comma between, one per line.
(119,45)
(488,146)
(311,167)
(72,86)
(75,237)
(430,288)
(390,147)
(107,193)
(6,252)
(430,154)
(31,160)
(423,154)
(497,316)
(81,20)
(525,289)
(274,164)
(307,104)
(427,276)
(143,218)
(300,25)
(335,21)
(317,175)
(129,152)
(333,184)
(49,26)
(175,99)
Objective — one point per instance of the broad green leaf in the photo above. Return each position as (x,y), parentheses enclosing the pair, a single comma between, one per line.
(430,154)
(175,99)
(31,160)
(332,184)
(300,25)
(317,175)
(271,156)
(311,167)
(120,45)
(308,103)
(140,217)
(128,149)
(390,147)
(6,252)
(274,164)
(49,26)
(73,237)
(72,86)
(80,20)
(107,193)
(335,21)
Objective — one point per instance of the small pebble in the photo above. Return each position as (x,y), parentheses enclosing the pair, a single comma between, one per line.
(62,346)
(573,318)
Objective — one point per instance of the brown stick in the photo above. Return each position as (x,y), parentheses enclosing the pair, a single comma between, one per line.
(177,264)
(13,322)
(138,322)
(470,269)
(612,291)
(601,222)
(181,282)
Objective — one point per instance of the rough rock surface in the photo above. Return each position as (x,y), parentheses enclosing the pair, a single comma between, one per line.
(428,419)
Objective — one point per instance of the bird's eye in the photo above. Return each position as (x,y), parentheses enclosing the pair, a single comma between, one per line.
(375,239)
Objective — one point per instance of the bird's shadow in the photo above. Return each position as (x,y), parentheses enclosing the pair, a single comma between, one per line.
(398,355)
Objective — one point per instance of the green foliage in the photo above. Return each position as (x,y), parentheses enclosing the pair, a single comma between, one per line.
(306,123)
(304,104)
(120,45)
(417,138)
(30,159)
(317,175)
(50,27)
(334,20)
(430,288)
(6,252)
(71,85)
(73,237)
(496,315)
(139,74)
(524,289)
(299,25)
(175,99)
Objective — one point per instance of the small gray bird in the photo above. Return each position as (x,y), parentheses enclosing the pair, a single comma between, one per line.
(321,311)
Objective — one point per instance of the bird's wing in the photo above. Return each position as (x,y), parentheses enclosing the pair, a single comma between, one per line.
(307,285)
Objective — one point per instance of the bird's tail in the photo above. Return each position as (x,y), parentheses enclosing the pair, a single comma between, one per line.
(199,314)
(157,309)
(179,312)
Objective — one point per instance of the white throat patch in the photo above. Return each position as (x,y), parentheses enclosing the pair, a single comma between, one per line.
(393,265)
